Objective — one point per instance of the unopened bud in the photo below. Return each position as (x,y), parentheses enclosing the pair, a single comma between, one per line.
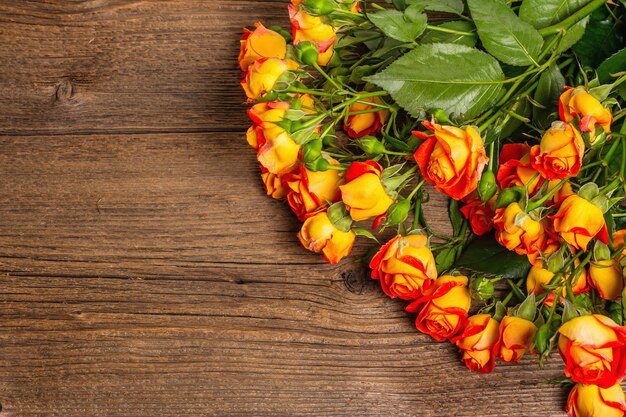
(319,7)
(307,53)
(487,187)
(482,289)
(398,212)
(371,146)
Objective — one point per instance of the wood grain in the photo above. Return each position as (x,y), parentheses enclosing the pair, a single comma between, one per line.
(150,275)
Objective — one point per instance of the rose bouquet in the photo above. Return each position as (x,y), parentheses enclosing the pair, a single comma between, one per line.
(515,111)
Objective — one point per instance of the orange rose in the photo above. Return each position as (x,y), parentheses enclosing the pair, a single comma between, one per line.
(365,124)
(451,159)
(515,168)
(516,337)
(607,278)
(405,267)
(578,103)
(272,184)
(618,241)
(594,350)
(306,27)
(560,153)
(538,277)
(263,74)
(516,230)
(442,309)
(479,215)
(593,401)
(363,193)
(319,235)
(260,43)
(307,190)
(477,342)
(578,221)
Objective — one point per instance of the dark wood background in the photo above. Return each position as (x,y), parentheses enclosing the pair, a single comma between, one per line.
(143,272)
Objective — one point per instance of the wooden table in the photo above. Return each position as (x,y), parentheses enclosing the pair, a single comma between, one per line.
(143,272)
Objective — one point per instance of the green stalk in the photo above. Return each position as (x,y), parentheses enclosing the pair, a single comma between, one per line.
(573,19)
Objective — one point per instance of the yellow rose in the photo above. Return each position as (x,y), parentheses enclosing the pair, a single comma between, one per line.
(363,193)
(593,401)
(560,153)
(578,103)
(477,343)
(442,309)
(578,221)
(306,27)
(516,230)
(272,184)
(405,267)
(319,235)
(263,74)
(365,124)
(516,337)
(260,43)
(308,190)
(538,277)
(594,350)
(606,277)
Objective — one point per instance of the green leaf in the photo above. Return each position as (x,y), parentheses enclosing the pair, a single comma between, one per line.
(612,65)
(485,256)
(455,78)
(435,36)
(544,13)
(602,39)
(404,26)
(456,219)
(446,6)
(503,34)
(549,89)
(573,35)
(359,231)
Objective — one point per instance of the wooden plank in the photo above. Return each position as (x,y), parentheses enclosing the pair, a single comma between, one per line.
(150,275)
(124,65)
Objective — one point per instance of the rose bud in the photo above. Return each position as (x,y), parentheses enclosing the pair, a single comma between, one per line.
(606,277)
(306,27)
(482,289)
(578,103)
(318,7)
(365,124)
(319,235)
(487,187)
(594,350)
(479,215)
(516,337)
(307,190)
(263,74)
(560,153)
(593,401)
(405,267)
(578,221)
(371,146)
(260,43)
(363,193)
(515,168)
(452,159)
(272,184)
(516,230)
(307,53)
(538,277)
(477,342)
(442,309)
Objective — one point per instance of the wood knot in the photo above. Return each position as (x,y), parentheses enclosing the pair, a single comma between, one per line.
(64,91)
(354,280)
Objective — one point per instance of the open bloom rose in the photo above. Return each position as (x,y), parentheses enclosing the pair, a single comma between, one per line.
(263,74)
(318,234)
(363,193)
(479,215)
(405,267)
(516,337)
(538,277)
(308,190)
(365,124)
(515,168)
(606,276)
(593,401)
(452,159)
(560,153)
(477,343)
(578,103)
(306,27)
(272,184)
(442,309)
(260,43)
(516,230)
(578,221)
(594,350)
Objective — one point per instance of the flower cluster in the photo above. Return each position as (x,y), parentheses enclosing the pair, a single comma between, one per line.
(358,115)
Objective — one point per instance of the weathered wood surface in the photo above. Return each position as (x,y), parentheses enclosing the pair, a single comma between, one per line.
(143,272)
